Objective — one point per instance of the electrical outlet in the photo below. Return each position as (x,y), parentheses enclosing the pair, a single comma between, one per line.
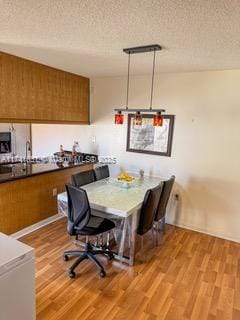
(54,192)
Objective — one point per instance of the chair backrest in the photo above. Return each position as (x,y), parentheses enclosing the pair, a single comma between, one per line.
(79,211)
(82,178)
(167,188)
(101,172)
(149,208)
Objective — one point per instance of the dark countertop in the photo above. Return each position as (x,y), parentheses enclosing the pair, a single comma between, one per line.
(21,171)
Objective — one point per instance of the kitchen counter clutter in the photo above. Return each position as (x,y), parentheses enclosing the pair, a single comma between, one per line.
(24,170)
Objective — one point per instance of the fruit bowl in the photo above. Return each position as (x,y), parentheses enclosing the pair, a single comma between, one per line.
(126,180)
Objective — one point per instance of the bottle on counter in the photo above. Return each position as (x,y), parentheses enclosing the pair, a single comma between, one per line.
(74,153)
(61,153)
(77,147)
(77,153)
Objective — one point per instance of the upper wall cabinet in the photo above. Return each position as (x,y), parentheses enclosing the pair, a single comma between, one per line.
(32,92)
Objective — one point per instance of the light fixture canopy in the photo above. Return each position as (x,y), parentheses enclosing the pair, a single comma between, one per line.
(158,119)
(143,49)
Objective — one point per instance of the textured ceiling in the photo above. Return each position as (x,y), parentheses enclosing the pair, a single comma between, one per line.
(87,36)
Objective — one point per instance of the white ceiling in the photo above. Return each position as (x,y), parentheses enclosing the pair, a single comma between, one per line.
(87,36)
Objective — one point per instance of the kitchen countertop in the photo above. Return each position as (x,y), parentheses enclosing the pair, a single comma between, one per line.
(21,171)
(11,251)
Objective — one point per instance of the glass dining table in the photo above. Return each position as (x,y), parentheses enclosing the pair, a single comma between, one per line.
(120,202)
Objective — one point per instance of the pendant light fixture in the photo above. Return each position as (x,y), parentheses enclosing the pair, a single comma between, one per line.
(119,117)
(158,120)
(137,120)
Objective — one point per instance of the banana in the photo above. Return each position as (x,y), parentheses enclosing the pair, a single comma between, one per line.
(124,176)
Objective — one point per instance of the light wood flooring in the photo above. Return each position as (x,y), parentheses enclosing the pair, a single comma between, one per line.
(189,276)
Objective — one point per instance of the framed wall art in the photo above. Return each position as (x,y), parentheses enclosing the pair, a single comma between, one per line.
(150,139)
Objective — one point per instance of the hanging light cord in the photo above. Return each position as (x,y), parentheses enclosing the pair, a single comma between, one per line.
(153,73)
(128,79)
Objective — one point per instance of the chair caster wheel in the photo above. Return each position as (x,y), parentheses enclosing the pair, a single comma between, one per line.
(71,274)
(102,274)
(65,258)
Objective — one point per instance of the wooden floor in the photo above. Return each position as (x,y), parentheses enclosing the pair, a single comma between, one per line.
(189,276)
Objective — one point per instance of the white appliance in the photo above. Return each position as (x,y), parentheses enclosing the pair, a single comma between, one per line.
(17,280)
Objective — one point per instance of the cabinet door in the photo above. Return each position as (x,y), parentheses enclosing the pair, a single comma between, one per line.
(31,92)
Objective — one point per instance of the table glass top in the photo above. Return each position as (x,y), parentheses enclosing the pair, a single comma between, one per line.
(109,195)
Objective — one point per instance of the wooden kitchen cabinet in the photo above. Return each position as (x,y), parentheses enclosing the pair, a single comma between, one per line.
(32,92)
(26,201)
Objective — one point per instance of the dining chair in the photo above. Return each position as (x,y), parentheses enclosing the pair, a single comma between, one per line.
(81,221)
(148,211)
(162,206)
(82,178)
(101,172)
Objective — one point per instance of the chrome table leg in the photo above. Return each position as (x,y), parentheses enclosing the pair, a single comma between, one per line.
(123,237)
(132,231)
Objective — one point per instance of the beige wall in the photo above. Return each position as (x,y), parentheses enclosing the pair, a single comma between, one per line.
(206,143)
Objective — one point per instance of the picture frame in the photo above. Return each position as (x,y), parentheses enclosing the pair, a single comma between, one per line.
(149,139)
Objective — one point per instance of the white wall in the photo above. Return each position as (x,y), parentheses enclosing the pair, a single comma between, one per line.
(205,155)
(46,139)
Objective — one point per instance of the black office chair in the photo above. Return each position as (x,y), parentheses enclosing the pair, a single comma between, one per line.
(148,211)
(82,222)
(161,210)
(101,172)
(82,178)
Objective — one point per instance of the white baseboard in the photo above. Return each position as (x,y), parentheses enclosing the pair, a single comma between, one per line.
(56,217)
(211,233)
(36,226)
